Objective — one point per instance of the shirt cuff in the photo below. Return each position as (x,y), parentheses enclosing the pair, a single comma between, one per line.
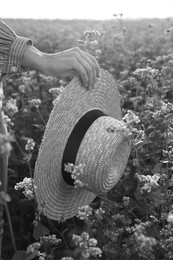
(16,55)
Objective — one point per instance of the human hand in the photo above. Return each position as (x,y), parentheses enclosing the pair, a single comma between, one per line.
(69,62)
(63,64)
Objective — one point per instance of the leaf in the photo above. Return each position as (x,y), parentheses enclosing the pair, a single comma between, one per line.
(41,127)
(165,161)
(23,255)
(39,231)
(140,144)
(157,197)
(153,232)
(4,197)
(77,251)
(28,157)
(157,168)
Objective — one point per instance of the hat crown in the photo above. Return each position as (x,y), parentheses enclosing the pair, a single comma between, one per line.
(103,154)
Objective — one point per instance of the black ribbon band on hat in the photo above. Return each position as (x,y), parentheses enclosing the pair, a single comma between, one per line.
(75,140)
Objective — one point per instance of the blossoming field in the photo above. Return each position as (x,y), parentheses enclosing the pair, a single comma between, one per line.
(134,221)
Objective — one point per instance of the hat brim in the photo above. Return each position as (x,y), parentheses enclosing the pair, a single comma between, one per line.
(61,200)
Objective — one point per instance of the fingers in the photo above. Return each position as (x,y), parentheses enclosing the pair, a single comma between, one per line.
(87,67)
(82,72)
(95,62)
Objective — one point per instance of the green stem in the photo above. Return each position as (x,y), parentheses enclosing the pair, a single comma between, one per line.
(167,168)
(17,143)
(61,234)
(103,198)
(33,188)
(10,226)
(41,116)
(167,151)
(137,158)
(147,210)
(30,170)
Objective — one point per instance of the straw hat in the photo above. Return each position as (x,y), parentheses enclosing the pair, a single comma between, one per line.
(84,128)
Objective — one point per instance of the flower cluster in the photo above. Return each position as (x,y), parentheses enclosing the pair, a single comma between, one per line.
(168,153)
(30,145)
(120,127)
(147,72)
(11,107)
(164,108)
(114,233)
(41,255)
(50,240)
(168,30)
(98,213)
(40,210)
(75,171)
(33,248)
(34,103)
(84,212)
(91,42)
(56,91)
(138,136)
(151,103)
(28,185)
(147,182)
(22,88)
(130,118)
(169,135)
(136,100)
(166,240)
(7,121)
(126,201)
(27,79)
(87,246)
(92,34)
(142,239)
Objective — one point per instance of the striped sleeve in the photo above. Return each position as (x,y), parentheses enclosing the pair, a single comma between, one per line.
(12,48)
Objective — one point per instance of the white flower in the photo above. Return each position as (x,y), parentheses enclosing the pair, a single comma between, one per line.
(33,247)
(28,185)
(130,118)
(11,107)
(75,171)
(84,212)
(149,182)
(170,218)
(30,145)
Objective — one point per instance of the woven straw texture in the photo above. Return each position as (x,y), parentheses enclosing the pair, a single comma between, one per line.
(105,154)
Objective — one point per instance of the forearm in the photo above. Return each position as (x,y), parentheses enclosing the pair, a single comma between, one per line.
(34,59)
